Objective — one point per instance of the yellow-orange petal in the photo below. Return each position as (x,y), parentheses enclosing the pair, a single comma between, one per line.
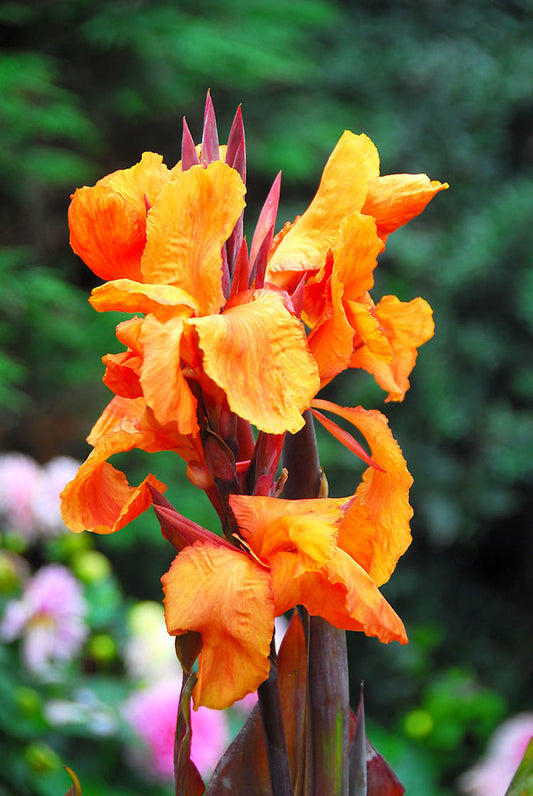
(165,388)
(224,595)
(342,190)
(341,592)
(274,524)
(395,199)
(375,531)
(368,331)
(140,185)
(406,325)
(108,221)
(257,353)
(125,295)
(190,221)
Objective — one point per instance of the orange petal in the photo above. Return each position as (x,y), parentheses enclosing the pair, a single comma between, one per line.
(122,374)
(125,295)
(164,387)
(99,498)
(341,592)
(273,524)
(192,218)
(406,325)
(395,199)
(108,221)
(331,341)
(368,331)
(225,596)
(375,531)
(257,353)
(342,190)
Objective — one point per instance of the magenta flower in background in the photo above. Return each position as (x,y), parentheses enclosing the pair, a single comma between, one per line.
(49,618)
(494,772)
(152,714)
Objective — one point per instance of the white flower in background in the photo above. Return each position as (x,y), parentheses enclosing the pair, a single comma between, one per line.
(494,772)
(149,652)
(49,618)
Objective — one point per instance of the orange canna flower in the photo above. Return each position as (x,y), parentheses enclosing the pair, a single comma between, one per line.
(327,554)
(334,245)
(168,242)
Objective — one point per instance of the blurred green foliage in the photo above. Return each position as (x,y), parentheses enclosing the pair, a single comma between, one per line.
(441,87)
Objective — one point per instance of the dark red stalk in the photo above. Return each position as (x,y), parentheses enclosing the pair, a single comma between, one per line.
(275,740)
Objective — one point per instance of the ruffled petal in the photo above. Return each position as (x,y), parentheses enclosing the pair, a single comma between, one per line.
(123,369)
(125,295)
(342,190)
(99,498)
(257,353)
(395,199)
(164,386)
(368,331)
(186,228)
(140,185)
(108,221)
(274,524)
(375,531)
(224,595)
(341,592)
(406,325)
(331,341)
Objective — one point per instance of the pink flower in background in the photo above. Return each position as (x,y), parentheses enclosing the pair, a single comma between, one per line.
(493,774)
(45,500)
(29,494)
(152,714)
(19,475)
(49,618)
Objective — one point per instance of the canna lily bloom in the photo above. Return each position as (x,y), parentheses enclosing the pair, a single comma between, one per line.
(161,237)
(170,244)
(334,246)
(327,554)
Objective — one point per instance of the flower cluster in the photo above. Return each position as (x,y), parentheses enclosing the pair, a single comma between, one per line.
(224,356)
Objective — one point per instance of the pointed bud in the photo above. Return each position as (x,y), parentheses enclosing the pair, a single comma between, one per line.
(236,150)
(210,151)
(189,155)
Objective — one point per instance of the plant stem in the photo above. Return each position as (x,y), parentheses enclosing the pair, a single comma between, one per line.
(274,730)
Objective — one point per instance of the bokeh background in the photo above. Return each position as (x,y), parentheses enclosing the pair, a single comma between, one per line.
(441,87)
